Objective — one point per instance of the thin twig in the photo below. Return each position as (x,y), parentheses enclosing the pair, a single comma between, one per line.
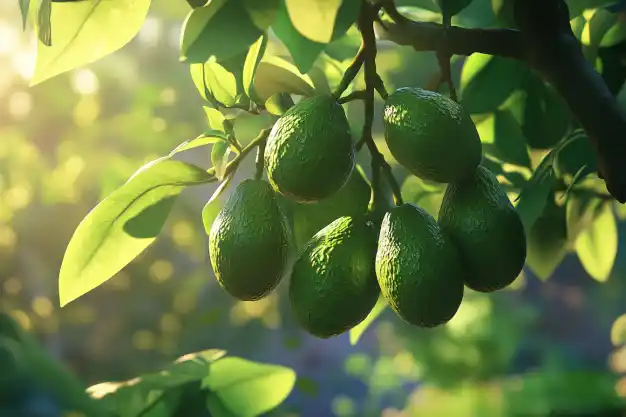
(351,72)
(260,160)
(355,95)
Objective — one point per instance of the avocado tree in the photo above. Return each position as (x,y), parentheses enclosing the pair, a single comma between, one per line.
(518,138)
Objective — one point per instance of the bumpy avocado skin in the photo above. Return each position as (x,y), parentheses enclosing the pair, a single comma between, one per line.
(333,283)
(487,229)
(418,267)
(431,135)
(351,200)
(249,242)
(309,153)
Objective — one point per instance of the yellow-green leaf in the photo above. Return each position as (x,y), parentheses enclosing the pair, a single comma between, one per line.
(81,33)
(596,246)
(123,225)
(314,19)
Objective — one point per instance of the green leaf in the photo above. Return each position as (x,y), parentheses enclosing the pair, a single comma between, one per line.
(123,225)
(255,54)
(534,196)
(219,158)
(248,389)
(44,28)
(210,31)
(487,81)
(314,19)
(545,116)
(279,103)
(207,138)
(502,137)
(575,155)
(24,6)
(357,331)
(221,83)
(215,118)
(547,240)
(452,7)
(213,206)
(198,76)
(81,32)
(596,246)
(277,75)
(304,50)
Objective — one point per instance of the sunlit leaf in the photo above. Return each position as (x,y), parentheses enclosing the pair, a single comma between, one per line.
(209,31)
(277,75)
(212,207)
(207,138)
(596,246)
(314,19)
(215,119)
(534,196)
(255,54)
(278,103)
(123,225)
(82,33)
(246,388)
(357,331)
(502,137)
(219,158)
(221,83)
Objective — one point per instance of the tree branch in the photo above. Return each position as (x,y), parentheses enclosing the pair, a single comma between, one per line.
(546,43)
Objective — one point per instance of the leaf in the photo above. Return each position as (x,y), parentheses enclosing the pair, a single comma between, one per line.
(255,54)
(82,35)
(277,75)
(357,331)
(198,72)
(212,207)
(123,225)
(502,137)
(575,155)
(534,196)
(545,117)
(44,29)
(452,7)
(210,31)
(278,103)
(219,158)
(596,246)
(487,81)
(248,389)
(304,50)
(24,6)
(207,138)
(314,19)
(215,118)
(547,240)
(221,83)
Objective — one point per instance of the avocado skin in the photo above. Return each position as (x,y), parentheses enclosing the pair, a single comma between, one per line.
(487,229)
(431,135)
(418,267)
(309,153)
(333,284)
(249,242)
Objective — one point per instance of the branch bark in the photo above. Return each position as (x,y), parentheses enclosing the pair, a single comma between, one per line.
(546,43)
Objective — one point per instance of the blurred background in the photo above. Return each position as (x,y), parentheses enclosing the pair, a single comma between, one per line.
(534,349)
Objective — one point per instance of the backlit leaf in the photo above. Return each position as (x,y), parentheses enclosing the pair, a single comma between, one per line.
(357,331)
(255,54)
(314,19)
(596,246)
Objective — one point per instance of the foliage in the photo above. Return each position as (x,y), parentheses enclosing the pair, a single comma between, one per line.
(280,53)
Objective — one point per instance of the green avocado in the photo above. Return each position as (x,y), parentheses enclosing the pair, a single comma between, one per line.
(418,267)
(487,229)
(249,242)
(351,200)
(333,283)
(431,135)
(309,153)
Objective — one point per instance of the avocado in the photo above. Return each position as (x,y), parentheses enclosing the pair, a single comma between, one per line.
(431,135)
(333,283)
(418,267)
(309,153)
(487,229)
(249,242)
(351,200)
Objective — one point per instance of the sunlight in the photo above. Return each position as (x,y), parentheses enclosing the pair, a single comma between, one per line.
(85,82)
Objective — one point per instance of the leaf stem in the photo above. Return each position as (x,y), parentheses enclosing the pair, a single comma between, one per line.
(260,160)
(351,72)
(232,166)
(355,95)
(366,27)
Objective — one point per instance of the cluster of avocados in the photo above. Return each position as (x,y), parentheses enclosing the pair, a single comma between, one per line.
(419,264)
